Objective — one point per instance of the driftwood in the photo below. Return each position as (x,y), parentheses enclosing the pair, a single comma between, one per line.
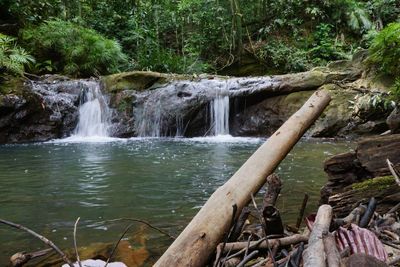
(393,171)
(78,260)
(353,217)
(314,255)
(368,213)
(271,215)
(368,161)
(273,221)
(278,242)
(331,250)
(302,211)
(237,229)
(273,188)
(386,192)
(40,237)
(20,258)
(196,243)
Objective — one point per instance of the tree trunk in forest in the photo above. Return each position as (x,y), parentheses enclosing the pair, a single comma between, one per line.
(197,242)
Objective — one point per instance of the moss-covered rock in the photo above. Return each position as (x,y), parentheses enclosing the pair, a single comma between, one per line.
(135,80)
(378,183)
(384,189)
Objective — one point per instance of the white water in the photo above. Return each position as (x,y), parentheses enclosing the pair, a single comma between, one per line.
(93,113)
(220,113)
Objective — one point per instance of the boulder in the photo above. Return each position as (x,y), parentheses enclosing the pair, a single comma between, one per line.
(348,172)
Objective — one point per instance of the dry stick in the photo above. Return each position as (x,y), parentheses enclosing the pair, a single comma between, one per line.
(75,246)
(314,255)
(352,217)
(260,263)
(302,210)
(263,224)
(365,219)
(144,222)
(116,244)
(247,248)
(226,258)
(280,242)
(393,171)
(390,244)
(273,188)
(20,258)
(394,209)
(242,249)
(247,258)
(237,229)
(394,261)
(331,250)
(42,238)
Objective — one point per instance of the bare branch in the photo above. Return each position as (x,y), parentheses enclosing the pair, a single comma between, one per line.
(78,260)
(42,238)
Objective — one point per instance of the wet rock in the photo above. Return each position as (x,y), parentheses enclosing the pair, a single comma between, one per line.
(135,80)
(360,259)
(393,120)
(39,110)
(367,161)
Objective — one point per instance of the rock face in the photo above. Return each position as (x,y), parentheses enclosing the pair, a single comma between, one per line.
(156,104)
(368,160)
(40,110)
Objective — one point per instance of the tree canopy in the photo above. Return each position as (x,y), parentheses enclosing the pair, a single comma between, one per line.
(191,36)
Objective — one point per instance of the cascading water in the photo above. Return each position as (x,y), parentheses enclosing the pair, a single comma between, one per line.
(94,113)
(220,113)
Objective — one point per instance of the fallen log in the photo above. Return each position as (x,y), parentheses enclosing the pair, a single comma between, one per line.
(314,255)
(384,189)
(278,242)
(197,242)
(331,250)
(369,160)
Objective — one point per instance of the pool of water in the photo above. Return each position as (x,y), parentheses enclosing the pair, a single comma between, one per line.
(46,186)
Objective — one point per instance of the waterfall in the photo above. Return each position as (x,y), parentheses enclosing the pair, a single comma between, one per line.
(93,112)
(220,113)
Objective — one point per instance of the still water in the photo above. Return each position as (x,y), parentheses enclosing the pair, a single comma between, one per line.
(46,186)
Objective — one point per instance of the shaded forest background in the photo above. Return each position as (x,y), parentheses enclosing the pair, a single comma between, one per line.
(82,38)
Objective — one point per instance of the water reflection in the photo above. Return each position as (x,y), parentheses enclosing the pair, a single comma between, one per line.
(93,182)
(165,181)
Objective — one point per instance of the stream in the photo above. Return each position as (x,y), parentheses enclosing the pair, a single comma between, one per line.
(46,186)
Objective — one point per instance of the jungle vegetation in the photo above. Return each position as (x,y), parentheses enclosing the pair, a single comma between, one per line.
(82,38)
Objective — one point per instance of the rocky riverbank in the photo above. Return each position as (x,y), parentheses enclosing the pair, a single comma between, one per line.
(155,104)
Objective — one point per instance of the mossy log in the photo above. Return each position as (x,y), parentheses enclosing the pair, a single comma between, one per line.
(367,161)
(384,189)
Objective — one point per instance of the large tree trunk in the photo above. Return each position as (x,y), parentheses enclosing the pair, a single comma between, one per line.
(197,242)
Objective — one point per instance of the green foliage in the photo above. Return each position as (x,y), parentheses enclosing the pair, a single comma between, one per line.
(384,11)
(284,58)
(72,49)
(385,50)
(372,104)
(325,46)
(12,57)
(189,36)
(395,90)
